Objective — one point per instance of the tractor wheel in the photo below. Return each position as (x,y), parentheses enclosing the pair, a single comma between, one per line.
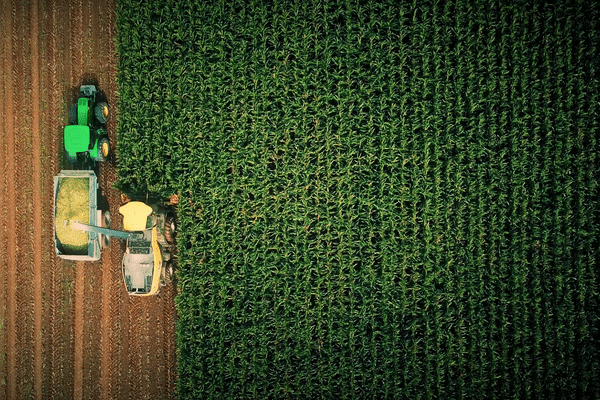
(104,241)
(163,276)
(105,223)
(73,114)
(166,274)
(101,112)
(170,229)
(103,149)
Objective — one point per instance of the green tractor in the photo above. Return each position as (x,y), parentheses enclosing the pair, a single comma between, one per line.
(86,138)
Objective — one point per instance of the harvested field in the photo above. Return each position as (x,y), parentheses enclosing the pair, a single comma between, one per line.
(67,330)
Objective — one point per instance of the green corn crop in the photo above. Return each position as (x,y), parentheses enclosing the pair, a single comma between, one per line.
(378,199)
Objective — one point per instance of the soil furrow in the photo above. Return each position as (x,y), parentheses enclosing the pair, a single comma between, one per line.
(24,341)
(145,350)
(50,290)
(61,304)
(169,339)
(7,235)
(119,315)
(156,330)
(51,111)
(105,328)
(78,329)
(92,338)
(37,201)
(134,352)
(66,272)
(93,274)
(118,296)
(107,370)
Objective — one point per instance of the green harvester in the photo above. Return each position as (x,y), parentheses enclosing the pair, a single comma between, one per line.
(86,138)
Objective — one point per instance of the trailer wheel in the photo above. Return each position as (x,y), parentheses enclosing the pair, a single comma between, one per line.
(170,229)
(106,219)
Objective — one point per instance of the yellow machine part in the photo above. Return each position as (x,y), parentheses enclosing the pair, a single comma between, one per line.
(157,264)
(135,215)
(105,149)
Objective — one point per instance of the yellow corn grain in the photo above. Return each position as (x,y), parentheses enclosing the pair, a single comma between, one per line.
(72,203)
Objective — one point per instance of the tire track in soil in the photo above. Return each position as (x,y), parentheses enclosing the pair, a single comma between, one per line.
(164,329)
(116,288)
(146,350)
(8,207)
(161,336)
(4,133)
(24,324)
(78,329)
(91,339)
(169,313)
(112,310)
(112,318)
(134,352)
(116,318)
(36,144)
(153,331)
(112,350)
(155,328)
(62,292)
(109,361)
(50,263)
(106,325)
(51,345)
(120,315)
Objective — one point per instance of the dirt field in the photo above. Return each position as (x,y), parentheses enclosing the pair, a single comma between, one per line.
(67,330)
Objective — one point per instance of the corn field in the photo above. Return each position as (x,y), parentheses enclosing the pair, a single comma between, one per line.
(378,199)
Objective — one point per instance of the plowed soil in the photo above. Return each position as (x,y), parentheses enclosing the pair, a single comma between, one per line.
(67,330)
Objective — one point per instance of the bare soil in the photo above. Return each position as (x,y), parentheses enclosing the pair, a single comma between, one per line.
(67,330)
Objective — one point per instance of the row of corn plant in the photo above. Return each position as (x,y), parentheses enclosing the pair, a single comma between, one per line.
(378,199)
